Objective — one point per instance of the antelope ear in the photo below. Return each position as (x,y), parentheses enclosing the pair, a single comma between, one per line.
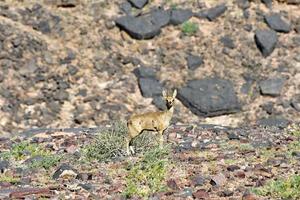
(164,93)
(174,93)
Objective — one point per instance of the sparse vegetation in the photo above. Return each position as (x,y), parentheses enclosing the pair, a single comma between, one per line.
(9,179)
(281,189)
(189,28)
(110,143)
(147,175)
(24,150)
(46,162)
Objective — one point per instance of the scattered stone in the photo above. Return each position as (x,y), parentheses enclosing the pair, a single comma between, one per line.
(209,97)
(218,180)
(233,136)
(276,23)
(61,95)
(201,194)
(248,196)
(43,26)
(216,11)
(279,122)
(66,3)
(232,168)
(125,7)
(240,174)
(272,86)
(171,183)
(150,87)
(144,72)
(268,107)
(193,62)
(138,3)
(160,17)
(295,102)
(198,180)
(138,27)
(266,41)
(187,192)
(227,42)
(243,4)
(226,193)
(84,176)
(4,164)
(23,192)
(64,171)
(268,3)
(178,16)
(86,186)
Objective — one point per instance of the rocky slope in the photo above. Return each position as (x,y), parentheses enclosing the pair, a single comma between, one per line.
(82,63)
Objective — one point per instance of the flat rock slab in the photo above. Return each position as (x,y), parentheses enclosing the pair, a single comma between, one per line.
(178,16)
(276,23)
(266,41)
(272,86)
(215,12)
(138,27)
(209,97)
(150,87)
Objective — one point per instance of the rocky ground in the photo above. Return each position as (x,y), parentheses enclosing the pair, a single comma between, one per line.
(73,63)
(204,162)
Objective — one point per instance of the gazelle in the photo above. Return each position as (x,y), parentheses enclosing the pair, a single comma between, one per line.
(150,121)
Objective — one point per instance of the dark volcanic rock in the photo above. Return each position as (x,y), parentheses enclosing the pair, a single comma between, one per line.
(216,11)
(209,97)
(266,41)
(279,122)
(243,4)
(268,3)
(227,42)
(276,23)
(3,165)
(138,27)
(193,62)
(138,3)
(125,7)
(178,16)
(272,86)
(295,102)
(150,87)
(160,17)
(61,169)
(144,72)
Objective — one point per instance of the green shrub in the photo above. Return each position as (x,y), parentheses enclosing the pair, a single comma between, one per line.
(110,143)
(46,162)
(281,189)
(147,175)
(189,28)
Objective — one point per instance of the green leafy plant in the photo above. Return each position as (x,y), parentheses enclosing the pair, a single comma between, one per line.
(110,143)
(189,28)
(281,189)
(147,175)
(9,179)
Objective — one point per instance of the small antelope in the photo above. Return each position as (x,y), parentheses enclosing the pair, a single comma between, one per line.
(151,121)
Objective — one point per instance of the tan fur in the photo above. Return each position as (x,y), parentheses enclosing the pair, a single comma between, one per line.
(151,121)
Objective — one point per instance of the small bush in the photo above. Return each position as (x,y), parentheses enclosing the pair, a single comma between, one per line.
(147,175)
(281,189)
(110,143)
(46,162)
(189,28)
(25,149)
